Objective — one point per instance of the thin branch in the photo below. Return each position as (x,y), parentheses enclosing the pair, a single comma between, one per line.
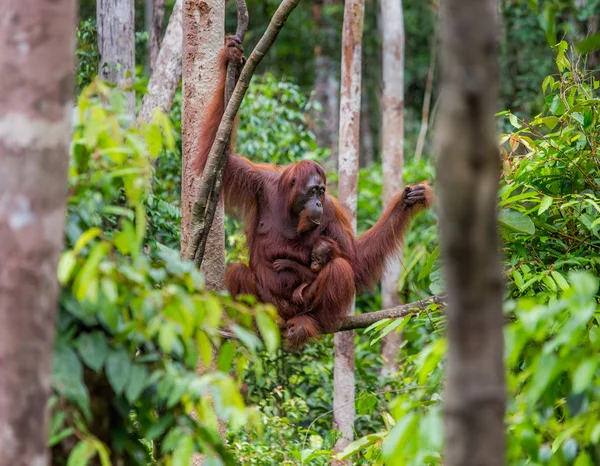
(203,212)
(364,320)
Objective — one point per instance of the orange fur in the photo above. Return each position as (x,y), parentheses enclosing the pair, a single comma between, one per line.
(262,195)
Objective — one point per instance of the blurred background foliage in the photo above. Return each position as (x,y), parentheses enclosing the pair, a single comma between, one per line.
(129,299)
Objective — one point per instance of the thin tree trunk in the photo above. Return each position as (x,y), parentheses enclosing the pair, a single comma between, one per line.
(367,150)
(156,31)
(427,97)
(116,45)
(392,149)
(468,175)
(326,86)
(164,81)
(36,72)
(203,38)
(343,368)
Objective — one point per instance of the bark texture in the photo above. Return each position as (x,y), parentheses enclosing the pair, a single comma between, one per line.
(209,188)
(167,72)
(349,143)
(392,150)
(36,72)
(116,45)
(468,175)
(203,38)
(156,31)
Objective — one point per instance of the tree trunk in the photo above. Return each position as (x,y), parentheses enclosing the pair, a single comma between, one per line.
(468,174)
(427,96)
(367,149)
(156,31)
(343,368)
(116,45)
(326,86)
(167,73)
(392,149)
(203,38)
(36,72)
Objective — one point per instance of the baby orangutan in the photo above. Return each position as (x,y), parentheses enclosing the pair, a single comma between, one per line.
(323,251)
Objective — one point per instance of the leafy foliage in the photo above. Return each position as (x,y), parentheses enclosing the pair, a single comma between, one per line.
(133,329)
(549,200)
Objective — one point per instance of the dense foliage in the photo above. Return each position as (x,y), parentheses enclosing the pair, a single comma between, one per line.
(133,327)
(135,322)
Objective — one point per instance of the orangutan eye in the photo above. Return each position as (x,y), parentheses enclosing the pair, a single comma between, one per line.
(322,191)
(293,182)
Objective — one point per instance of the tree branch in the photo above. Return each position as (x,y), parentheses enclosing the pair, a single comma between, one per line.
(364,320)
(212,176)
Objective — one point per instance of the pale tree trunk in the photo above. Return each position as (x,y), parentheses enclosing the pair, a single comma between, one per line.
(343,367)
(116,45)
(427,97)
(36,71)
(468,174)
(392,149)
(367,149)
(167,73)
(156,31)
(326,86)
(203,38)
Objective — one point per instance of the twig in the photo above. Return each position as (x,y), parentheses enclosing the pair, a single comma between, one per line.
(212,175)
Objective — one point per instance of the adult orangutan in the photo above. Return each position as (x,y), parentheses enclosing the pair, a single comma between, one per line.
(285,209)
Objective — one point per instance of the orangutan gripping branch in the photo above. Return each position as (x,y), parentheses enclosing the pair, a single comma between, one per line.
(285,210)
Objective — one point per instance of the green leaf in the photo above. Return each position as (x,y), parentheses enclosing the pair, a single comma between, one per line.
(93,349)
(85,238)
(118,367)
(589,44)
(584,374)
(83,452)
(360,444)
(166,336)
(268,330)
(182,456)
(560,280)
(65,266)
(514,120)
(137,382)
(204,346)
(545,204)
(226,355)
(548,81)
(516,221)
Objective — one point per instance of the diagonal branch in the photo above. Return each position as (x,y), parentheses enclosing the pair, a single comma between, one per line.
(212,176)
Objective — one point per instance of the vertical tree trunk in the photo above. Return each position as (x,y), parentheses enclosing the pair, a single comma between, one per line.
(158,16)
(36,72)
(343,368)
(326,86)
(427,96)
(116,45)
(392,148)
(203,38)
(167,73)
(468,175)
(367,149)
